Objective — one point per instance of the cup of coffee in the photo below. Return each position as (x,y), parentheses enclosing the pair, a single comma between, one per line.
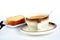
(37,20)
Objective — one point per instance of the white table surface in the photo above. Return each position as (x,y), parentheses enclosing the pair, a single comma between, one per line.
(16,7)
(7,33)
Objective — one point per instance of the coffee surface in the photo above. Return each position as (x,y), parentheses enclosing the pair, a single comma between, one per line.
(38,19)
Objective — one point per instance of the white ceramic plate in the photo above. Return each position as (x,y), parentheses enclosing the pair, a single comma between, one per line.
(47,31)
(14,25)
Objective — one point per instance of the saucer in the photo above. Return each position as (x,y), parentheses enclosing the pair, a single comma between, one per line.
(49,29)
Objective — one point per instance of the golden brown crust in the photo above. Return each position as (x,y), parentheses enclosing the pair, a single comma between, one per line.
(13,22)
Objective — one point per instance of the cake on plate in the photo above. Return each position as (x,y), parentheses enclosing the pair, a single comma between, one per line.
(15,20)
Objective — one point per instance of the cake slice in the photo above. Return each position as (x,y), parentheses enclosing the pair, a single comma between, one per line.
(14,20)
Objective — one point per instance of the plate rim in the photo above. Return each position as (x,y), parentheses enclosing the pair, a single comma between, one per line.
(45,30)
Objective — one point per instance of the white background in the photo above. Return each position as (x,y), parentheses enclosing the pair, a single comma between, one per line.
(27,7)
